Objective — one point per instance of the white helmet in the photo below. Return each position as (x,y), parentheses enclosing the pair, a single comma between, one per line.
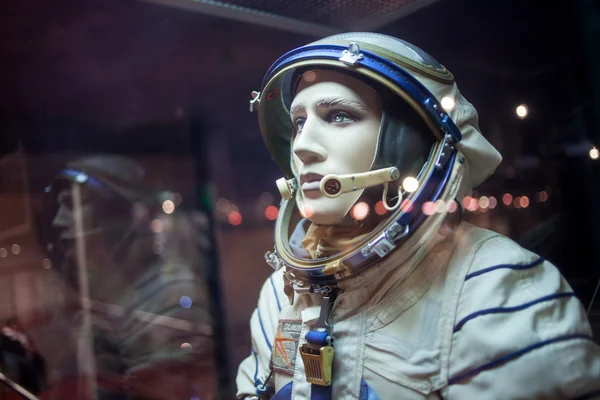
(426,142)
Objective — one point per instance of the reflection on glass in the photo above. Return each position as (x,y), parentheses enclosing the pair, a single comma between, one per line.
(135,262)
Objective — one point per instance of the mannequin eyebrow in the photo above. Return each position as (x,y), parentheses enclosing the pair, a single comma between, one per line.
(329,102)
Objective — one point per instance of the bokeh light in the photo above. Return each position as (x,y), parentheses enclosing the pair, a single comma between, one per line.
(234,218)
(524,201)
(156,225)
(448,103)
(428,208)
(46,263)
(452,206)
(360,211)
(16,249)
(492,202)
(474,205)
(168,206)
(410,184)
(406,205)
(522,111)
(185,302)
(307,211)
(439,206)
(594,153)
(309,76)
(470,203)
(466,201)
(484,202)
(380,208)
(3,252)
(507,199)
(517,202)
(271,213)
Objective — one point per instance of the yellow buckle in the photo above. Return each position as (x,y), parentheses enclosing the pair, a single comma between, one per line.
(317,363)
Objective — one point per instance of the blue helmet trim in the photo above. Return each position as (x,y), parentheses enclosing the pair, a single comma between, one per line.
(383,67)
(75,175)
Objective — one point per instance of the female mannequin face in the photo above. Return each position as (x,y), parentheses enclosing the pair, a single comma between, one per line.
(336,120)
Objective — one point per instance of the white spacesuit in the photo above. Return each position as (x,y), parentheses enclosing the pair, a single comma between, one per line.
(403,300)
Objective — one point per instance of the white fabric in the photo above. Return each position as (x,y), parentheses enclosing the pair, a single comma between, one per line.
(399,337)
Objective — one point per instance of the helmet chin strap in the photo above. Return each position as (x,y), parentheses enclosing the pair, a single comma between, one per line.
(384,197)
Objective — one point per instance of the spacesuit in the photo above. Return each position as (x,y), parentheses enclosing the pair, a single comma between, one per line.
(408,302)
(140,277)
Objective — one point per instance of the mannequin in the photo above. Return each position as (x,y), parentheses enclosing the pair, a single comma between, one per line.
(410,303)
(143,287)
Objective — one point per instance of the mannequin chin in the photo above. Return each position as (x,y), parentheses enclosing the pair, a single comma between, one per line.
(337,121)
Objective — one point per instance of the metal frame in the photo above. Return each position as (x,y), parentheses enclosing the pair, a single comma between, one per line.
(247,15)
(255,16)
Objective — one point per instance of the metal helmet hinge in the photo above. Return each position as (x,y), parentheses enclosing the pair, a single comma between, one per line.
(383,244)
(353,55)
(446,153)
(272,258)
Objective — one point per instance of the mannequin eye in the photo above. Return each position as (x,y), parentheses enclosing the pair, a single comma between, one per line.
(298,124)
(341,117)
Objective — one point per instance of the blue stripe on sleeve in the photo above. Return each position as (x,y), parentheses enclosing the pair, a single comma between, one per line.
(514,355)
(502,266)
(256,364)
(496,310)
(275,292)
(262,327)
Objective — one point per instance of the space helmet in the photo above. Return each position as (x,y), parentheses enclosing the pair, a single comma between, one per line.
(428,129)
(114,201)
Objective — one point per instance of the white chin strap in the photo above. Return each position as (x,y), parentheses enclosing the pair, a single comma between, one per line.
(384,198)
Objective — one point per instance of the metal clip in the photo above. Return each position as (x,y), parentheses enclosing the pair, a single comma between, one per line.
(273,259)
(318,362)
(353,55)
(255,100)
(317,354)
(324,291)
(384,243)
(446,153)
(302,289)
(338,268)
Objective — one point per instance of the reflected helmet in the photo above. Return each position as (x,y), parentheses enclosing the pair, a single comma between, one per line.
(116,203)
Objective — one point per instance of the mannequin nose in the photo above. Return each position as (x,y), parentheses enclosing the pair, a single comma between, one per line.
(63,218)
(308,144)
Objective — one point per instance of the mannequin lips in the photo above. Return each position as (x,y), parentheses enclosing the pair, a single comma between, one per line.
(310,183)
